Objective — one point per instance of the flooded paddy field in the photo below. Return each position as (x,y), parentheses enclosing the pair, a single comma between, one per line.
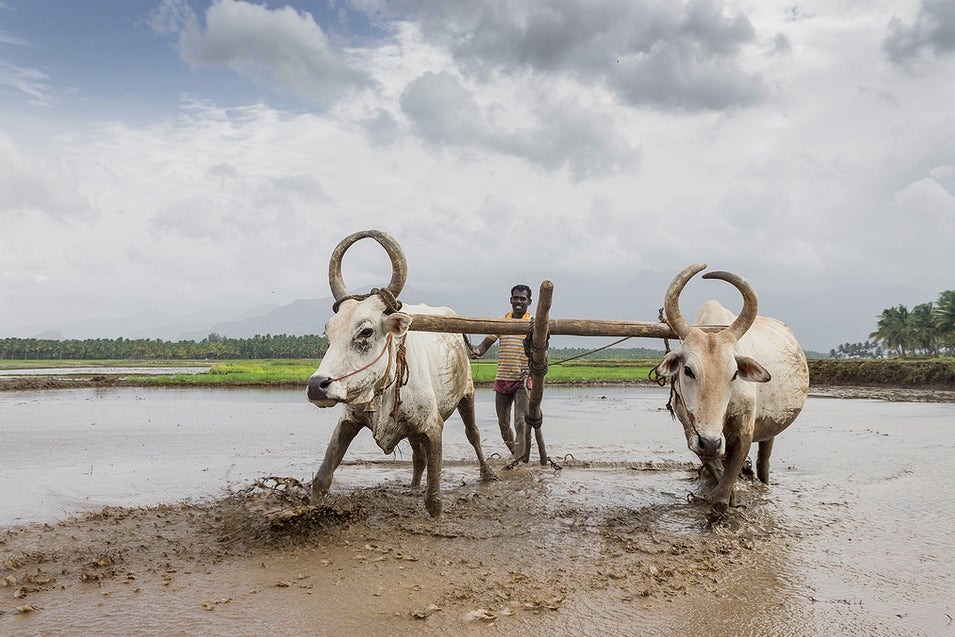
(136,511)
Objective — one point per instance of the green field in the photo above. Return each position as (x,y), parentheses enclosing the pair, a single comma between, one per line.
(248,372)
(592,371)
(935,373)
(289,372)
(284,372)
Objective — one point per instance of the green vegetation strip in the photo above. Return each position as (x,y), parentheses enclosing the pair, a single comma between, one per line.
(287,372)
(257,372)
(933,373)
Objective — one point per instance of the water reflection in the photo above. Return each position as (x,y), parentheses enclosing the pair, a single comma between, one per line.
(861,499)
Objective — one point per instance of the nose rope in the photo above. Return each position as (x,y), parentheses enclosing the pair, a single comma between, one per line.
(377,358)
(689,414)
(678,382)
(680,394)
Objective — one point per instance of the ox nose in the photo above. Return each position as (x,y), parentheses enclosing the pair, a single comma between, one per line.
(710,446)
(317,387)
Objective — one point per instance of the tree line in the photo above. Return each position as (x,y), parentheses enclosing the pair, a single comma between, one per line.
(927,330)
(214,347)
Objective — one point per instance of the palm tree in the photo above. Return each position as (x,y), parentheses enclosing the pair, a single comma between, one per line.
(923,331)
(944,317)
(894,329)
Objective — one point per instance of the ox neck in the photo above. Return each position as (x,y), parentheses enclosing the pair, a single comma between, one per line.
(396,361)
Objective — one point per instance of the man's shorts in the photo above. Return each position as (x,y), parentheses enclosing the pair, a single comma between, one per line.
(511,386)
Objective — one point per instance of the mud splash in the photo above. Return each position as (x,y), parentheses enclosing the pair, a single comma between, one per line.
(529,552)
(851,537)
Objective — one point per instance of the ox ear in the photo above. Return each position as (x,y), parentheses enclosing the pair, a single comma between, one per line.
(397,323)
(752,371)
(670,364)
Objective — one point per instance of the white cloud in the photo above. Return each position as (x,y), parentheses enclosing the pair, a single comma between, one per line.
(549,132)
(281,48)
(674,55)
(932,30)
(503,140)
(33,84)
(39,185)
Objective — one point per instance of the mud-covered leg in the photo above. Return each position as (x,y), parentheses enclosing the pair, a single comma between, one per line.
(502,404)
(540,445)
(724,496)
(714,469)
(432,497)
(419,459)
(345,432)
(466,410)
(762,460)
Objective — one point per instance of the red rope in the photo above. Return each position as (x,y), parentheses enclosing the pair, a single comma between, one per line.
(377,358)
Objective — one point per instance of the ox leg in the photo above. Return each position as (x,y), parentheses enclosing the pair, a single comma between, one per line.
(432,497)
(502,404)
(345,432)
(762,460)
(419,458)
(724,496)
(466,410)
(714,469)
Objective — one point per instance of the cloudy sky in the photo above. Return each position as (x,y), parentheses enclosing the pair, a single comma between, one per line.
(187,156)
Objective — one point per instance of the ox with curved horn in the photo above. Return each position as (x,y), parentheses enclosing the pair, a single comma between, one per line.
(400,384)
(399,265)
(743,384)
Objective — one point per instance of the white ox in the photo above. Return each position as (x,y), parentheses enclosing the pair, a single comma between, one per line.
(397,383)
(734,387)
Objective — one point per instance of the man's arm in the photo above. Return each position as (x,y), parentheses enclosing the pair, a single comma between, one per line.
(480,350)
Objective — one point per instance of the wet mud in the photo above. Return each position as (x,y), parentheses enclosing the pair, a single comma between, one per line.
(526,552)
(852,536)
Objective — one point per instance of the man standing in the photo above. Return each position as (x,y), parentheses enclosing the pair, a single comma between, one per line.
(511,380)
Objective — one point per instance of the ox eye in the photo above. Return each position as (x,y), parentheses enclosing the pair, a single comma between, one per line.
(689,372)
(735,374)
(366,333)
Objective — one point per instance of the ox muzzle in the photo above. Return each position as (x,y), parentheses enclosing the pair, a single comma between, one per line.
(317,391)
(706,446)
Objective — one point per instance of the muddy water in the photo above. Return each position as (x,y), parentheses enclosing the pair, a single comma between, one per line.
(852,537)
(75,450)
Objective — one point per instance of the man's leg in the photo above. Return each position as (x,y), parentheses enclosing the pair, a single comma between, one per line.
(502,402)
(522,448)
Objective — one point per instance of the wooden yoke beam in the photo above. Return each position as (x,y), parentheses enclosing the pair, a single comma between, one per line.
(556,327)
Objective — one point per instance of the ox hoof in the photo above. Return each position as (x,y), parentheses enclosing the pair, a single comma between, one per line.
(488,475)
(434,508)
(317,495)
(718,511)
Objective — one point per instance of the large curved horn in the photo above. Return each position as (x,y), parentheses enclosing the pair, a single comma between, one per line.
(750,304)
(671,303)
(399,265)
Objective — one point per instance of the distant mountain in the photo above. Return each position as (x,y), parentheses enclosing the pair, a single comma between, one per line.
(477,298)
(50,335)
(305,316)
(298,318)
(139,325)
(637,299)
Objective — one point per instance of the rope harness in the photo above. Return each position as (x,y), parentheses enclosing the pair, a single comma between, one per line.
(361,369)
(678,395)
(402,373)
(392,304)
(535,368)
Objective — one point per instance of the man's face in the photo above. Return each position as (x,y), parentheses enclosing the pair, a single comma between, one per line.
(520,300)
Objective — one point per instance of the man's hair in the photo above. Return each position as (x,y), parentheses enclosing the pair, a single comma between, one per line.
(521,286)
